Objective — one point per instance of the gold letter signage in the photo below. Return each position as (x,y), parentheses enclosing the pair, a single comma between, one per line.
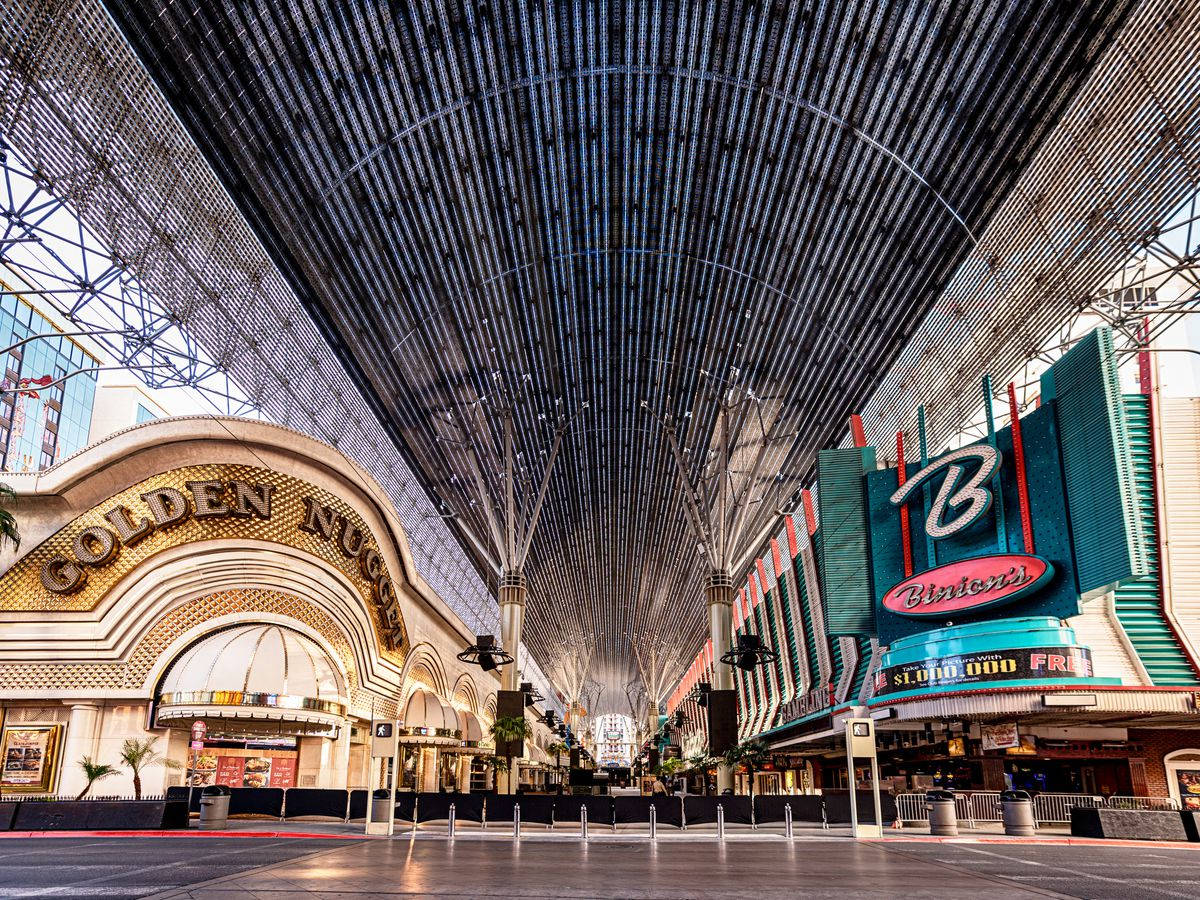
(97,546)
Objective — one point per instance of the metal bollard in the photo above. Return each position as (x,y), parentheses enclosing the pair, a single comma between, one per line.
(516,821)
(720,822)
(787,820)
(450,826)
(583,823)
(653,823)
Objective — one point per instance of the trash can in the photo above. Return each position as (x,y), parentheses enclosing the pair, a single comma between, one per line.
(943,820)
(381,806)
(1016,809)
(214,808)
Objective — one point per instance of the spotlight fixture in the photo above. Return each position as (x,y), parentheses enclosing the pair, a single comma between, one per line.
(531,696)
(485,653)
(749,653)
(703,689)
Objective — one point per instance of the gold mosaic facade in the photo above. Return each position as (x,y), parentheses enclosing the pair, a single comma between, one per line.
(21,588)
(131,674)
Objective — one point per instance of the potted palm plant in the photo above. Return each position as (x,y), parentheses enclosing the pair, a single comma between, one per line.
(9,533)
(137,755)
(750,754)
(93,772)
(506,731)
(558,748)
(498,765)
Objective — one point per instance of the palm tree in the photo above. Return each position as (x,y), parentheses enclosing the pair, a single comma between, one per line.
(558,748)
(750,754)
(508,730)
(497,764)
(139,754)
(8,522)
(701,763)
(93,772)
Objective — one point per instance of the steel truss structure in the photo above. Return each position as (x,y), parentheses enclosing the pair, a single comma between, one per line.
(374,215)
(54,260)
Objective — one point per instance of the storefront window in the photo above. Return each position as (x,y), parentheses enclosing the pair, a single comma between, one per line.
(448,763)
(408,767)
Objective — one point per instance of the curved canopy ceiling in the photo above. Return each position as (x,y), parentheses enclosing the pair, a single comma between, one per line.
(607,212)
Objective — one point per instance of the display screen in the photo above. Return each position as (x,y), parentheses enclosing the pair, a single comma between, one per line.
(1025,664)
(28,756)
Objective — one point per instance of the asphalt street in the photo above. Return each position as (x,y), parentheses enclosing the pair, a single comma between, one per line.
(211,868)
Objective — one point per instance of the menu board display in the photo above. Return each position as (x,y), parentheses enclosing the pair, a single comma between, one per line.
(220,766)
(28,756)
(1188,781)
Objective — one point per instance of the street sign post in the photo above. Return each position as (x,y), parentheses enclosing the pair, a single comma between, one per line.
(385,737)
(860,745)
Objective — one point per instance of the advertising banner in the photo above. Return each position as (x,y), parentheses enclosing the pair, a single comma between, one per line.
(28,756)
(1023,664)
(1188,781)
(999,737)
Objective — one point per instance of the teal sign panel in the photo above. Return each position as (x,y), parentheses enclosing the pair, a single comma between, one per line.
(978,528)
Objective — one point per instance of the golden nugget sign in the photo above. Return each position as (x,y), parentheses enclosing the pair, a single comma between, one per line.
(164,508)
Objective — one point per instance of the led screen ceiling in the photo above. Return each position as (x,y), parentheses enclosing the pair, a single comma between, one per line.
(609,213)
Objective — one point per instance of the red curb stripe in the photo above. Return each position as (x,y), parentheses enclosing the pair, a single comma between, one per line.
(181,833)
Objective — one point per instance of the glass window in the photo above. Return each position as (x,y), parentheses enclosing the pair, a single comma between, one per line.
(41,423)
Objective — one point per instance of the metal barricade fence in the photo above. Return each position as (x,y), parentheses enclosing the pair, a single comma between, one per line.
(1126,802)
(985,806)
(962,809)
(911,808)
(1057,807)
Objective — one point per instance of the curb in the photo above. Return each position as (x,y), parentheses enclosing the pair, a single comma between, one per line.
(183,833)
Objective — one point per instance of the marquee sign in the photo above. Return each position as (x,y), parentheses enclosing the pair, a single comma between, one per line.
(1022,664)
(73,569)
(969,584)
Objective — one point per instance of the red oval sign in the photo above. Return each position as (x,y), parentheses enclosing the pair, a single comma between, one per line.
(968,584)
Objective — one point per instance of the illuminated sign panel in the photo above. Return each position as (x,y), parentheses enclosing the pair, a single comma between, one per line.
(969,584)
(1021,664)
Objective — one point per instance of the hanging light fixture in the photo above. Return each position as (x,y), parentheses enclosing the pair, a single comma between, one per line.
(749,653)
(485,653)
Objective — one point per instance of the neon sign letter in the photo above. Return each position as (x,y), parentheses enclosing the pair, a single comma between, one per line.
(951,494)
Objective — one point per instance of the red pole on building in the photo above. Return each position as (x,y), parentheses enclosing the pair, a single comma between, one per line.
(857,432)
(905,531)
(810,515)
(1019,460)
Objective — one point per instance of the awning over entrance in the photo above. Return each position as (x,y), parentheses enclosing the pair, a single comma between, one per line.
(258,679)
(429,720)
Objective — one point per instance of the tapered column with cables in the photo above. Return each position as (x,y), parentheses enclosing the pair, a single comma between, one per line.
(720,483)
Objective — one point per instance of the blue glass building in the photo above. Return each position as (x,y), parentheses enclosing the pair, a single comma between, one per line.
(40,426)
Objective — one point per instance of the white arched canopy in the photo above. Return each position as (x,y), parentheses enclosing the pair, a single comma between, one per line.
(425,715)
(257,674)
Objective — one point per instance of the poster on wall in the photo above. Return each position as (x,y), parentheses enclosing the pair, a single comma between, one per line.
(29,758)
(1188,781)
(283,772)
(257,772)
(999,737)
(204,767)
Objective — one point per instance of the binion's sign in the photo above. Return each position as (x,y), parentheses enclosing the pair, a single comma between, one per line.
(969,584)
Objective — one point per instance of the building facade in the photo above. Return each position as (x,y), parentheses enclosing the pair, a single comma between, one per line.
(1019,611)
(238,575)
(47,389)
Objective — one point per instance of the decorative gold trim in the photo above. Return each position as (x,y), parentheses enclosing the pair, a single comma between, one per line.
(23,589)
(244,698)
